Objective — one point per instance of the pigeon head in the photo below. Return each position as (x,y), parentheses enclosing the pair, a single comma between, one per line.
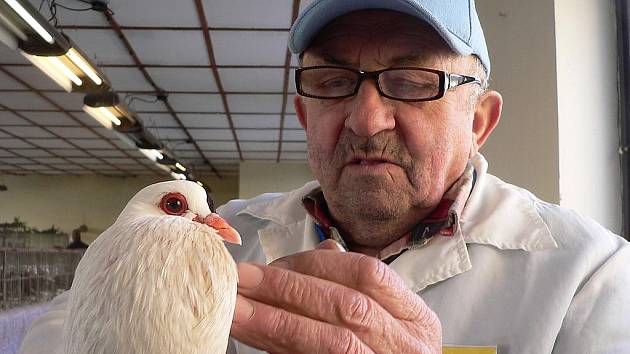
(183,199)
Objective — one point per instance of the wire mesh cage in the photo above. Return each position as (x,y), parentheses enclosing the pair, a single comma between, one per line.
(29,276)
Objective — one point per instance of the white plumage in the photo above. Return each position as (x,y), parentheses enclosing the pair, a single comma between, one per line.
(154,282)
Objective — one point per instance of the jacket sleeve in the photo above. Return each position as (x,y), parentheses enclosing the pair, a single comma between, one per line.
(44,336)
(597,319)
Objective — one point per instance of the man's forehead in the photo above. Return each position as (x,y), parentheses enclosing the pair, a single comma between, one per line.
(399,37)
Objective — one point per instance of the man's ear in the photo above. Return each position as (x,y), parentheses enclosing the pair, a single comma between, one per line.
(487,116)
(300,110)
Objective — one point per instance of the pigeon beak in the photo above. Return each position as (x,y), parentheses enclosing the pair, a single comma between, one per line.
(227,232)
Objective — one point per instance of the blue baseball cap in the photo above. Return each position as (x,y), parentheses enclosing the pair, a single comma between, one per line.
(456,21)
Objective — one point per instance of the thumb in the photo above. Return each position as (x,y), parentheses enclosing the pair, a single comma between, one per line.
(330,245)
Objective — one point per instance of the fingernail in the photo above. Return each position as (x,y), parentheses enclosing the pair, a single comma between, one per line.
(330,245)
(280,264)
(249,275)
(243,310)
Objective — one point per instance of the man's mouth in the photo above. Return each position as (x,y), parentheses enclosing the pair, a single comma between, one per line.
(369,162)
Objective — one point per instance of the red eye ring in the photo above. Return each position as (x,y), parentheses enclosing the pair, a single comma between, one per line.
(174,204)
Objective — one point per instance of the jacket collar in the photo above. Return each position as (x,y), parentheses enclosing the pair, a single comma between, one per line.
(496,214)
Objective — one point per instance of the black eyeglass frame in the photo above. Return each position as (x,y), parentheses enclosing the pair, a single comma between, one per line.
(447,81)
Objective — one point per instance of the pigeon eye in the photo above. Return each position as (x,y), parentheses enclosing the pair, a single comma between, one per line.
(174,204)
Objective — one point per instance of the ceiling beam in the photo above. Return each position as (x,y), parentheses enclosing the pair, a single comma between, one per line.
(285,84)
(158,91)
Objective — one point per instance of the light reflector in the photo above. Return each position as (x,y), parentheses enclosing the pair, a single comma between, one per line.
(20,10)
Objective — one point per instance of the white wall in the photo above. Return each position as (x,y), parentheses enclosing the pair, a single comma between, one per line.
(523,150)
(259,177)
(69,201)
(590,173)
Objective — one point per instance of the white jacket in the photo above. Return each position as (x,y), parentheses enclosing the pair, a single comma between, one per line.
(520,273)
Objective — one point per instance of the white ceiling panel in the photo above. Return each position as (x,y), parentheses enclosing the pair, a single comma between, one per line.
(196,102)
(24,100)
(167,13)
(291,121)
(28,132)
(188,154)
(294,135)
(101,46)
(248,13)
(169,133)
(14,143)
(255,155)
(141,106)
(68,101)
(34,153)
(127,79)
(15,160)
(84,160)
(291,87)
(67,17)
(110,152)
(71,152)
(217,145)
(262,135)
(256,121)
(9,56)
(8,118)
(50,160)
(49,118)
(204,120)
(4,135)
(7,83)
(71,132)
(169,47)
(51,143)
(205,134)
(255,103)
(91,143)
(184,79)
(103,132)
(175,146)
(120,161)
(294,146)
(252,79)
(221,154)
(259,146)
(35,167)
(86,119)
(158,120)
(7,153)
(249,47)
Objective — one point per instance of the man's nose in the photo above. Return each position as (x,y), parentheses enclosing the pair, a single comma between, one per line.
(370,113)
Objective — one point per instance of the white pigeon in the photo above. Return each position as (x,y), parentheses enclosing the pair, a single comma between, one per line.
(159,280)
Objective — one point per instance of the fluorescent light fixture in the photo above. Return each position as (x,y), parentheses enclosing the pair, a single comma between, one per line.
(47,66)
(178,176)
(163,167)
(179,166)
(65,70)
(79,61)
(152,154)
(103,115)
(20,10)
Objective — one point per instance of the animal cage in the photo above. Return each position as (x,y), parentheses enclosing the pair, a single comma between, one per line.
(29,276)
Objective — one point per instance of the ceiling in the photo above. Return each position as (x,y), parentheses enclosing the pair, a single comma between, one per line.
(229,89)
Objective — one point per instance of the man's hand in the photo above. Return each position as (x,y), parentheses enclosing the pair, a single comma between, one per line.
(326,301)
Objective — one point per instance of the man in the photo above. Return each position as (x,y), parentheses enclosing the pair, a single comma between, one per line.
(420,245)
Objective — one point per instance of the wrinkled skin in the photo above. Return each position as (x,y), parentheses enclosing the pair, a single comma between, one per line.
(408,155)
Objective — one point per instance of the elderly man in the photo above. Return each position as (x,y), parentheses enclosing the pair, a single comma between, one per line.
(405,242)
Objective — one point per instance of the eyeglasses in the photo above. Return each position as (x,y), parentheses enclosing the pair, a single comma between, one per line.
(401,84)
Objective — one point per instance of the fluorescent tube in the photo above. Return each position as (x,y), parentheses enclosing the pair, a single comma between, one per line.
(30,20)
(179,165)
(103,115)
(78,60)
(45,65)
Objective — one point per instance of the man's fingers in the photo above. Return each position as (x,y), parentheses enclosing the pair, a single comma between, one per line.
(365,274)
(325,301)
(279,331)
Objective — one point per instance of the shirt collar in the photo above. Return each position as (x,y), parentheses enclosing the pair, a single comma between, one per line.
(443,220)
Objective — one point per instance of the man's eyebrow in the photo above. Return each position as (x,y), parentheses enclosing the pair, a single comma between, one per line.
(329,59)
(409,60)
